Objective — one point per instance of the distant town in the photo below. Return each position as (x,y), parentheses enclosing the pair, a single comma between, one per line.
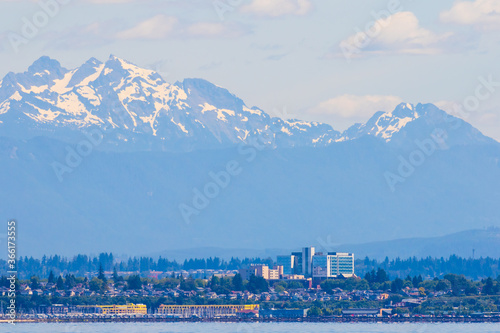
(305,285)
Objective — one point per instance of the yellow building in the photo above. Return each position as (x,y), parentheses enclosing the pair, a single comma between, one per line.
(208,311)
(123,309)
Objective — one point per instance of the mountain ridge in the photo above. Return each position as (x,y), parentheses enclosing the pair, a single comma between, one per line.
(136,107)
(299,181)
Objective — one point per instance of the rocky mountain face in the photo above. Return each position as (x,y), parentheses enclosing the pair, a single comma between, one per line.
(136,106)
(136,109)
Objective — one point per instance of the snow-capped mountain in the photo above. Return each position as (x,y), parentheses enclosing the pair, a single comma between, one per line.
(408,122)
(126,196)
(137,105)
(384,124)
(136,109)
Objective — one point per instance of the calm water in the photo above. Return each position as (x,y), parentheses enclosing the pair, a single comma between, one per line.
(252,328)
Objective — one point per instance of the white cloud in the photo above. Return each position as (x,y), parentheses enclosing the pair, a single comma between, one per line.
(345,110)
(206,29)
(213,29)
(157,27)
(482,14)
(399,33)
(162,26)
(277,8)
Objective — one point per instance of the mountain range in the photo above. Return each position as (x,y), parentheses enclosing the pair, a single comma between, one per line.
(111,157)
(465,244)
(136,109)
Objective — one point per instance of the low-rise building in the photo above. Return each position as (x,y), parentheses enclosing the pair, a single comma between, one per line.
(127,309)
(262,271)
(283,313)
(208,311)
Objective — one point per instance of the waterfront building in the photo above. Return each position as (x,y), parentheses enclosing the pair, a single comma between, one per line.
(122,309)
(208,311)
(128,309)
(367,312)
(284,313)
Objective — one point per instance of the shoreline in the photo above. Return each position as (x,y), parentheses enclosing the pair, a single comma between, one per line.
(388,320)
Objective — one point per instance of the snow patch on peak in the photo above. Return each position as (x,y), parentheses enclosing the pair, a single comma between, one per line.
(221,113)
(16,96)
(252,111)
(61,86)
(131,68)
(207,107)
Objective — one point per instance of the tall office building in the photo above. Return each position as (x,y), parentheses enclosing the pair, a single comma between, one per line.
(318,265)
(288,264)
(297,263)
(307,256)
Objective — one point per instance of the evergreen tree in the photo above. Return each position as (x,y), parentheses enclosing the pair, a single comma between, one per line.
(237,282)
(214,282)
(397,285)
(101,276)
(257,284)
(489,288)
(60,283)
(134,282)
(115,275)
(187,284)
(52,278)
(96,285)
(34,282)
(381,276)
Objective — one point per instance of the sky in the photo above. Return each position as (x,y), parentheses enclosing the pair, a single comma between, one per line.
(330,61)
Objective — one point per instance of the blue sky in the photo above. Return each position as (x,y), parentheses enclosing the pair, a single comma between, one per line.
(286,56)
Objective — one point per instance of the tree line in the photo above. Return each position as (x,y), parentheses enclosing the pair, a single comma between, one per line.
(81,265)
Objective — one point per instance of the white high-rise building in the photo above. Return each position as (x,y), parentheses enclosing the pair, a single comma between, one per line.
(332,265)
